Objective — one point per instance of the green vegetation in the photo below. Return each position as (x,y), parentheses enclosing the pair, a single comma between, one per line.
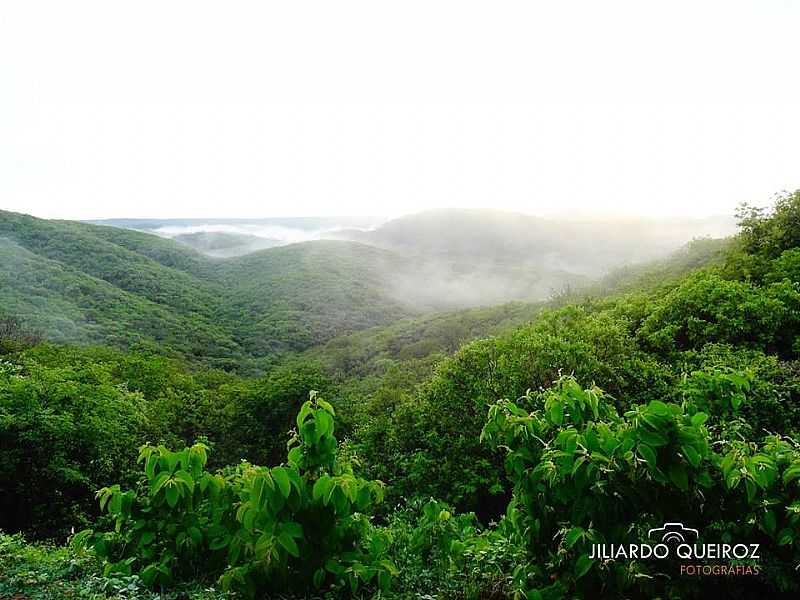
(75,282)
(278,529)
(506,440)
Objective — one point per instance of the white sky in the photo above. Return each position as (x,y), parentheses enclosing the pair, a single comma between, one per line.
(236,109)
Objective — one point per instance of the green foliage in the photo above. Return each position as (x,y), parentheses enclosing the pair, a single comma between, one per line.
(293,297)
(76,282)
(260,414)
(46,572)
(769,233)
(698,254)
(296,527)
(429,444)
(706,308)
(68,429)
(436,548)
(583,473)
(785,267)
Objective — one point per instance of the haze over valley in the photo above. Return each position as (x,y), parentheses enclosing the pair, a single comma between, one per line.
(457,258)
(238,291)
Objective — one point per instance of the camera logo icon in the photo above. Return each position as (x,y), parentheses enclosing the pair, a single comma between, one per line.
(675,533)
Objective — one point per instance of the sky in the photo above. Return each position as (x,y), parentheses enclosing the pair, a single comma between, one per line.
(258,109)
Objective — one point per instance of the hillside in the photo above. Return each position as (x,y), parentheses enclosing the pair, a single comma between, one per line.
(300,295)
(471,258)
(581,247)
(99,284)
(78,282)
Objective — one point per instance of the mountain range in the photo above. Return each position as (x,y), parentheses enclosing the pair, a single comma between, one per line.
(181,287)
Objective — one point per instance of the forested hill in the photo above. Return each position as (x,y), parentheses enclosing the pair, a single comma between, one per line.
(77,282)
(87,283)
(80,282)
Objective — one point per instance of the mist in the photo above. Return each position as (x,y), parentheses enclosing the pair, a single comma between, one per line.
(460,258)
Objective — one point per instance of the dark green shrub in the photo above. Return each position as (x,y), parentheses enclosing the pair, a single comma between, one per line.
(68,430)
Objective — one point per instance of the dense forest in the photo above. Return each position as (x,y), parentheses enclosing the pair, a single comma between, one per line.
(170,430)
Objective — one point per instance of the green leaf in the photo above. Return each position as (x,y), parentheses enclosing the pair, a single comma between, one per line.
(326,406)
(306,410)
(149,574)
(384,581)
(750,488)
(785,537)
(679,476)
(769,521)
(288,543)
(172,494)
(791,474)
(150,466)
(319,578)
(557,412)
(648,454)
(186,479)
(390,567)
(583,565)
(573,535)
(692,455)
(263,544)
(699,418)
(80,539)
(658,408)
(333,567)
(115,505)
(653,438)
(295,456)
(281,477)
(703,479)
(158,483)
(196,535)
(219,543)
(293,529)
(322,489)
(323,422)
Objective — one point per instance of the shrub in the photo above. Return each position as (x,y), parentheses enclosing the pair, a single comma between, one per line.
(293,527)
(585,474)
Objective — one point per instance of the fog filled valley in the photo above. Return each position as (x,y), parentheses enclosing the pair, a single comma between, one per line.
(291,284)
(452,404)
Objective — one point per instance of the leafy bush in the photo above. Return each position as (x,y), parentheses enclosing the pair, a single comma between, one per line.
(286,528)
(584,474)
